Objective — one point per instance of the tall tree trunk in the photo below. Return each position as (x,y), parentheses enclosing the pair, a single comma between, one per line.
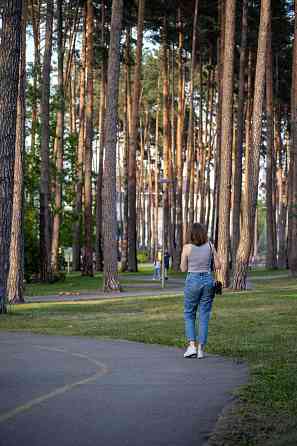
(292,221)
(211,133)
(145,187)
(157,176)
(237,174)
(172,200)
(76,230)
(271,259)
(88,223)
(166,132)
(45,227)
(141,211)
(10,39)
(124,257)
(132,236)
(58,145)
(102,109)
(227,134)
(282,185)
(35,16)
(15,286)
(190,141)
(253,156)
(99,247)
(72,103)
(217,160)
(208,195)
(204,145)
(111,282)
(150,213)
(202,185)
(179,145)
(282,195)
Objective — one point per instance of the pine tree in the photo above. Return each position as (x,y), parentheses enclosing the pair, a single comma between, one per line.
(10,40)
(45,229)
(253,155)
(111,282)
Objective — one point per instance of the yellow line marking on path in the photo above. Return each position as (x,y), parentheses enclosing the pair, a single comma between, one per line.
(60,390)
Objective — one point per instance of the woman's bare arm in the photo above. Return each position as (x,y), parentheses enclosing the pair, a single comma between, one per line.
(184,259)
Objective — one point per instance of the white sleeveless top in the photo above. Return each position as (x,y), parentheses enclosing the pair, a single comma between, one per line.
(196,259)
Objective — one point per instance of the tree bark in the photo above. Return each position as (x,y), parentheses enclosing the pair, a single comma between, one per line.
(253,156)
(150,213)
(157,175)
(190,141)
(237,174)
(45,227)
(15,281)
(76,234)
(36,79)
(271,258)
(282,194)
(179,146)
(217,157)
(10,40)
(111,281)
(132,235)
(124,252)
(99,245)
(166,132)
(210,142)
(292,221)
(226,147)
(58,145)
(102,109)
(282,185)
(88,223)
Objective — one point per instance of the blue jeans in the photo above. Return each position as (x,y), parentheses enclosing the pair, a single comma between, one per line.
(157,273)
(199,293)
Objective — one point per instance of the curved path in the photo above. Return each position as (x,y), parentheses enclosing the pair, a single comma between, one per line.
(71,391)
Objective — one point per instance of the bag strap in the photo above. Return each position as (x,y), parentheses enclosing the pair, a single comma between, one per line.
(211,258)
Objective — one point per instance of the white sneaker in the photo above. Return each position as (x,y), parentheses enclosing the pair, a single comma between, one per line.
(200,352)
(191,352)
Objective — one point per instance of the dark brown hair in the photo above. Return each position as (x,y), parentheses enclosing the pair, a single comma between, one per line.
(197,234)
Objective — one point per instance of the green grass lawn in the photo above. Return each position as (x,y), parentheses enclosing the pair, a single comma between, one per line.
(258,326)
(75,282)
(262,272)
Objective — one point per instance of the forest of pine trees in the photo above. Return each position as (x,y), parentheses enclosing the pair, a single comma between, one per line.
(102,99)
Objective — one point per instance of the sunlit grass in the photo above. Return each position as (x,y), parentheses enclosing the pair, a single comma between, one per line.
(76,283)
(258,326)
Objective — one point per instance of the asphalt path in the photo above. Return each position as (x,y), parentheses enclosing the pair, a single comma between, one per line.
(73,391)
(145,287)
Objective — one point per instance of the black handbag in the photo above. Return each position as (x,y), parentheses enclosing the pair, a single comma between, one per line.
(218,286)
(2,301)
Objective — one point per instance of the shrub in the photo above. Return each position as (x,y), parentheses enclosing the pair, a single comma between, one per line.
(142,256)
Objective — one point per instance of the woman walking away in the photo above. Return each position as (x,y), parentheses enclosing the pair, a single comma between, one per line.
(197,259)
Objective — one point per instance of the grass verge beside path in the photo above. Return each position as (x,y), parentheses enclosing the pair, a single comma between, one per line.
(76,283)
(258,326)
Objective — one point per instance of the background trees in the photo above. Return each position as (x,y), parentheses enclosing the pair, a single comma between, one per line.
(191,108)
